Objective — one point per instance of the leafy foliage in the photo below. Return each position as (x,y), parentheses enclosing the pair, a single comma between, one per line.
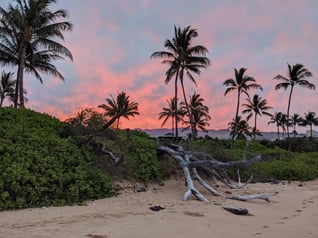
(142,162)
(40,168)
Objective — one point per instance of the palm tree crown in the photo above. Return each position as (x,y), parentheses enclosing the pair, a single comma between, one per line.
(27,39)
(256,106)
(6,87)
(183,58)
(169,112)
(276,119)
(296,76)
(199,112)
(295,120)
(243,130)
(310,120)
(120,107)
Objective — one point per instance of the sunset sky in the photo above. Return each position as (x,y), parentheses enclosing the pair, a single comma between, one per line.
(112,42)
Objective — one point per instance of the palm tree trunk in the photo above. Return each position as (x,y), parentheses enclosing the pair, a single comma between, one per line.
(117,122)
(172,125)
(19,82)
(176,107)
(1,101)
(310,126)
(289,100)
(278,132)
(236,118)
(188,110)
(254,132)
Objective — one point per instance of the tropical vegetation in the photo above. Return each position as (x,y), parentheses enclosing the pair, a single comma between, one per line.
(183,58)
(241,83)
(47,162)
(297,75)
(28,33)
(257,107)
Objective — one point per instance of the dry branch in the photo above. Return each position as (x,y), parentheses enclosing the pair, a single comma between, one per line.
(189,162)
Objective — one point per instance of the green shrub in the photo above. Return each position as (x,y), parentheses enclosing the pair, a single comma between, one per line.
(142,160)
(40,168)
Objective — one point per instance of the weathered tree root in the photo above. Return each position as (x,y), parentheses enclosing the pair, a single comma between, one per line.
(189,162)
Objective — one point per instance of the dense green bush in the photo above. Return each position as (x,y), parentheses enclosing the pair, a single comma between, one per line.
(40,168)
(142,160)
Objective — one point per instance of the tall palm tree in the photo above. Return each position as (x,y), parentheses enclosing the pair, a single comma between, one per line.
(295,120)
(28,33)
(169,112)
(310,120)
(6,86)
(183,58)
(276,119)
(296,76)
(199,113)
(241,84)
(256,106)
(119,107)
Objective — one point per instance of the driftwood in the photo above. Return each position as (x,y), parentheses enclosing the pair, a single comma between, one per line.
(191,161)
(265,197)
(236,210)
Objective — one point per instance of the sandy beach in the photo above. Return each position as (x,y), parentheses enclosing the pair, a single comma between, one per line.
(292,213)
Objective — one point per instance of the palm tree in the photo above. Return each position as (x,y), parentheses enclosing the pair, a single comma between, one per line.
(241,83)
(295,120)
(310,120)
(183,58)
(239,128)
(285,123)
(169,112)
(256,106)
(119,107)
(199,112)
(81,117)
(276,119)
(28,32)
(6,86)
(296,76)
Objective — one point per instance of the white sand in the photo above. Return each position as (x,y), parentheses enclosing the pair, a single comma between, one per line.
(293,213)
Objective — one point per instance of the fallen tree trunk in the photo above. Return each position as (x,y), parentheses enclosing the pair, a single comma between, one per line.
(190,162)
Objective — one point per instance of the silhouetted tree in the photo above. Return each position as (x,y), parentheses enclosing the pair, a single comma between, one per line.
(199,112)
(183,58)
(310,120)
(241,84)
(296,76)
(6,87)
(28,31)
(118,107)
(256,106)
(169,112)
(276,119)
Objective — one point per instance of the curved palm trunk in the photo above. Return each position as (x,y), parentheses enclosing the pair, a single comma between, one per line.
(278,136)
(188,110)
